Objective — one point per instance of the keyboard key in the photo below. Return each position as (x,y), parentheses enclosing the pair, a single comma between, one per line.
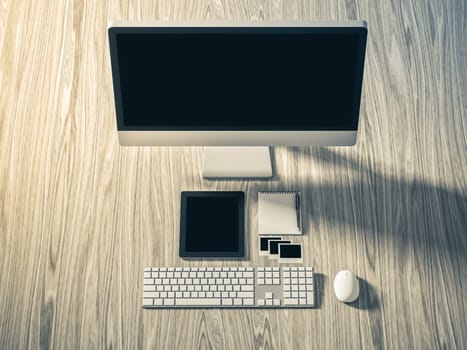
(288,301)
(198,302)
(149,294)
(227,301)
(245,295)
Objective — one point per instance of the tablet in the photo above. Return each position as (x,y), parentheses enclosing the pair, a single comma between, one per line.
(212,224)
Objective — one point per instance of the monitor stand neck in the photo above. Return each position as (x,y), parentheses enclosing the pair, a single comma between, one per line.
(237,162)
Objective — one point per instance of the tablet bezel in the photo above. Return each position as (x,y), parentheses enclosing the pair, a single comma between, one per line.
(239,196)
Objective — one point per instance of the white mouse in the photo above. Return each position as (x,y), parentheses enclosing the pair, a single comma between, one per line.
(346,286)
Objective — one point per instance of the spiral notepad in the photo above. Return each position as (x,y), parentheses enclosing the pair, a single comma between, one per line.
(279,213)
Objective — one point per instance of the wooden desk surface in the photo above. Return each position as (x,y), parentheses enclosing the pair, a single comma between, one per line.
(81,216)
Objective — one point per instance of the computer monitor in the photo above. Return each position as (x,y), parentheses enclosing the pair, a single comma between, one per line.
(237,84)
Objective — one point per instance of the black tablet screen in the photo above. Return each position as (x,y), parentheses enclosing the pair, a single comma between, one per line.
(213,225)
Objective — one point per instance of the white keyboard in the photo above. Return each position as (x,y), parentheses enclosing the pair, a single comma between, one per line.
(228,287)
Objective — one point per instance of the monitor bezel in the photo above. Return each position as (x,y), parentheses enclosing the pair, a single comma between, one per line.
(153,136)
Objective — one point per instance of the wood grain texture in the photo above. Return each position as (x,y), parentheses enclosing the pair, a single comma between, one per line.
(81,216)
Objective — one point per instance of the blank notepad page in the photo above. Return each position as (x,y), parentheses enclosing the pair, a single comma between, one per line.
(279,213)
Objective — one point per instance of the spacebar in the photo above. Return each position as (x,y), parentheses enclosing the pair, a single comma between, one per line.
(197,302)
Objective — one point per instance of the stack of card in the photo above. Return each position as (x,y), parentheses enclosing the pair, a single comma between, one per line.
(277,248)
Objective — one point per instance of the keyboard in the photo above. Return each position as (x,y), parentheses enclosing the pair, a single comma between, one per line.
(228,287)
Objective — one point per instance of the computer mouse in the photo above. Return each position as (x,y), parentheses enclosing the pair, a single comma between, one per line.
(346,286)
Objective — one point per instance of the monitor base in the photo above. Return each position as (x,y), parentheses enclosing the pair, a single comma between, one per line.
(237,162)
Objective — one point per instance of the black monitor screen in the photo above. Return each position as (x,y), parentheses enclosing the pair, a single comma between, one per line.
(237,78)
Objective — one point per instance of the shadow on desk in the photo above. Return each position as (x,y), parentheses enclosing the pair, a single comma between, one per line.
(368,299)
(320,284)
(413,215)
